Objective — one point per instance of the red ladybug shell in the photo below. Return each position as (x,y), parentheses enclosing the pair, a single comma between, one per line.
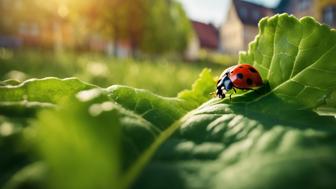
(245,76)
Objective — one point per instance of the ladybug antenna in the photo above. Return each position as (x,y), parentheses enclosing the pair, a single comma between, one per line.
(213,94)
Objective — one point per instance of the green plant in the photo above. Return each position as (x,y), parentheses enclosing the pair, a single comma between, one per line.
(121,137)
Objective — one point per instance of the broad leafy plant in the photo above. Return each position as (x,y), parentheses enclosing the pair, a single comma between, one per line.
(68,134)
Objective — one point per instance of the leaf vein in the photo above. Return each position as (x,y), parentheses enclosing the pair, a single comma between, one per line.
(275,32)
(296,56)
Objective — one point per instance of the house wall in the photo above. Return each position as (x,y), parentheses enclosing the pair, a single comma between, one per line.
(321,5)
(302,8)
(231,33)
(313,8)
(192,51)
(250,33)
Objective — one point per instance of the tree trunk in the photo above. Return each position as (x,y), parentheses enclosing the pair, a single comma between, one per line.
(115,41)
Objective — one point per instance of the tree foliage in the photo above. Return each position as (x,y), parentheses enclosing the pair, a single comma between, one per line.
(167,28)
(150,26)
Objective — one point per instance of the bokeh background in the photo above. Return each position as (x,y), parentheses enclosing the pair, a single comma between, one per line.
(160,45)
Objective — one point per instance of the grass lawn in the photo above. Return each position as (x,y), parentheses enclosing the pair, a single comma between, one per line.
(162,76)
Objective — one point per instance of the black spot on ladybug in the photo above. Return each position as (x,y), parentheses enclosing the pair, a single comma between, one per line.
(240,75)
(249,81)
(253,70)
(240,66)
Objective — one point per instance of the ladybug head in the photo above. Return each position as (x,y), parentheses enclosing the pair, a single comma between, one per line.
(223,85)
(219,92)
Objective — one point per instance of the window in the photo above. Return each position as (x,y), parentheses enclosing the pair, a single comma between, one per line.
(5,4)
(329,15)
(243,12)
(18,5)
(256,15)
(34,30)
(23,28)
(303,5)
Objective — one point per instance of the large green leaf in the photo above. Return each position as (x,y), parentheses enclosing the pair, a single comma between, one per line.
(80,143)
(28,97)
(219,142)
(143,117)
(49,89)
(18,105)
(296,57)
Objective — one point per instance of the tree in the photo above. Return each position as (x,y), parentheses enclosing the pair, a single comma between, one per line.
(167,28)
(151,26)
(120,20)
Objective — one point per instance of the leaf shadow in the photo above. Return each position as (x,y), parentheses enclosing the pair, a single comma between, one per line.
(270,110)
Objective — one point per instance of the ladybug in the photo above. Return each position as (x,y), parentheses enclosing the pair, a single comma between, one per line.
(241,76)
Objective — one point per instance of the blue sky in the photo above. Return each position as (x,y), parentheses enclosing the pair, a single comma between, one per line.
(214,10)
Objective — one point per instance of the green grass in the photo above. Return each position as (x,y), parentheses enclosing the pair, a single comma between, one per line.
(161,76)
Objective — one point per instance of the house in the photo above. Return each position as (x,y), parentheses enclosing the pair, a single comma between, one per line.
(241,25)
(323,10)
(206,36)
(20,27)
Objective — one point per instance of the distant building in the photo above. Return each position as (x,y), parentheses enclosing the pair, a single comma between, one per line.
(241,25)
(299,8)
(206,36)
(19,28)
(322,10)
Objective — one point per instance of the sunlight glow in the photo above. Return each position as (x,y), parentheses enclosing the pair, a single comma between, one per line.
(63,11)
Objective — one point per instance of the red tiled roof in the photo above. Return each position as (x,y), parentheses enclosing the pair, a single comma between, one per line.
(207,34)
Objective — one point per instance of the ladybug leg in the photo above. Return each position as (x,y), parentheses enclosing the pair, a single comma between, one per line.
(223,94)
(234,90)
